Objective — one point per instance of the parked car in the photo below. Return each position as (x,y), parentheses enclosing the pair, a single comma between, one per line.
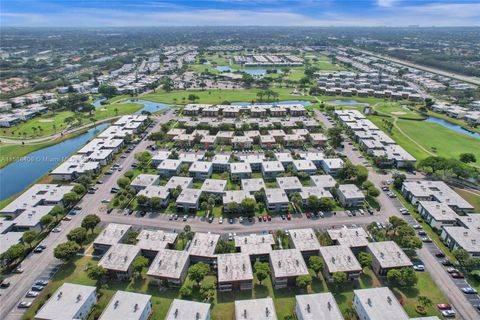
(308,215)
(439,254)
(264,217)
(32,294)
(170,217)
(24,304)
(72,212)
(220,220)
(418,267)
(446,262)
(210,219)
(240,219)
(41,282)
(18,269)
(185,217)
(5,284)
(175,217)
(77,208)
(417,226)
(469,290)
(37,288)
(289,216)
(426,239)
(444,306)
(66,218)
(421,233)
(452,270)
(259,218)
(109,210)
(269,217)
(56,230)
(457,275)
(448,313)
(283,217)
(230,220)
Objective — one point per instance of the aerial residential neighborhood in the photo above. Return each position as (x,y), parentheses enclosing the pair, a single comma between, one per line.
(247,160)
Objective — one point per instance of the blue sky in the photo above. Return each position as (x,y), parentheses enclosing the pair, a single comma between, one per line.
(111,13)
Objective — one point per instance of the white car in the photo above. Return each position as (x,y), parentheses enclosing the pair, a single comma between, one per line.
(220,220)
(32,294)
(448,313)
(56,230)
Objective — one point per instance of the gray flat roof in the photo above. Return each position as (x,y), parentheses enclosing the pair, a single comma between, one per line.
(240,167)
(289,183)
(203,244)
(65,302)
(119,257)
(470,221)
(234,267)
(440,211)
(189,196)
(378,302)
(318,306)
(221,158)
(214,185)
(253,185)
(304,239)
(255,244)
(112,234)
(155,191)
(353,238)
(169,164)
(287,263)
(468,239)
(183,182)
(31,217)
(283,156)
(200,166)
(319,192)
(184,309)
(333,163)
(276,196)
(438,189)
(389,254)
(351,191)
(324,181)
(255,309)
(126,305)
(143,180)
(302,165)
(169,264)
(9,239)
(236,196)
(272,166)
(340,259)
(155,240)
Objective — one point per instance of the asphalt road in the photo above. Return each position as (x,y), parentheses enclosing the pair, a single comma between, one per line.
(40,266)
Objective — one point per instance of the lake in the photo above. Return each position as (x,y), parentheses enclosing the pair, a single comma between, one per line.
(20,174)
(453,127)
(348,102)
(149,106)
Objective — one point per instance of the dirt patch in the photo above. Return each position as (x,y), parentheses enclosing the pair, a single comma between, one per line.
(103,109)
(399,113)
(46,120)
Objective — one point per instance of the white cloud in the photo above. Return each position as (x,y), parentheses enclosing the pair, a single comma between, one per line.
(386,3)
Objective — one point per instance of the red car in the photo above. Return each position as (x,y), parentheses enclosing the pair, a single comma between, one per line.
(457,275)
(308,215)
(289,216)
(444,306)
(269,217)
(264,217)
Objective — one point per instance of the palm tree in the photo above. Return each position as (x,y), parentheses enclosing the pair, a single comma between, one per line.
(260,95)
(116,111)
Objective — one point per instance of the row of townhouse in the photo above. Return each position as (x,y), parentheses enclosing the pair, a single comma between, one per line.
(253,110)
(17,115)
(457,112)
(101,150)
(372,140)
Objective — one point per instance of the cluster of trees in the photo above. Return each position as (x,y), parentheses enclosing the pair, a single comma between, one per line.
(351,173)
(248,205)
(335,136)
(404,277)
(465,260)
(67,250)
(267,93)
(397,230)
(448,167)
(314,203)
(107,91)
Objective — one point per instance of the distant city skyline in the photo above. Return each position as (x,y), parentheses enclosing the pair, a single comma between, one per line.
(142,13)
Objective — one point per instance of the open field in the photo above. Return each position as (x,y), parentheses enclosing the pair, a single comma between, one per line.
(395,110)
(447,143)
(223,305)
(50,123)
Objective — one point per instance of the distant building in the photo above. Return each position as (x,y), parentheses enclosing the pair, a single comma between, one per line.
(377,304)
(128,305)
(255,309)
(317,306)
(184,309)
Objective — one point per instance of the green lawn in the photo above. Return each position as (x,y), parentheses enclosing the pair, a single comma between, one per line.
(395,110)
(448,143)
(217,96)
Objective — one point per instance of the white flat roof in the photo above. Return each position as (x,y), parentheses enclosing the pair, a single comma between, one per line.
(276,196)
(126,305)
(255,309)
(378,302)
(168,264)
(65,302)
(318,306)
(255,244)
(184,309)
(340,259)
(214,185)
(155,240)
(189,196)
(323,181)
(234,267)
(143,180)
(183,182)
(304,239)
(119,257)
(253,185)
(289,183)
(112,234)
(203,244)
(353,238)
(389,254)
(287,263)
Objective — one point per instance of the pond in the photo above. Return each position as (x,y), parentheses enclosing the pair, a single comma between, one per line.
(20,174)
(250,71)
(149,106)
(98,103)
(453,127)
(348,102)
(303,103)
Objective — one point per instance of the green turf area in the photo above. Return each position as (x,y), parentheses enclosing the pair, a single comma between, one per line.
(395,110)
(49,123)
(448,143)
(473,199)
(223,303)
(217,96)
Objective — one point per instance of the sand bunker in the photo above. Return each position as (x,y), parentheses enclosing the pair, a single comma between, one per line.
(45,120)
(399,113)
